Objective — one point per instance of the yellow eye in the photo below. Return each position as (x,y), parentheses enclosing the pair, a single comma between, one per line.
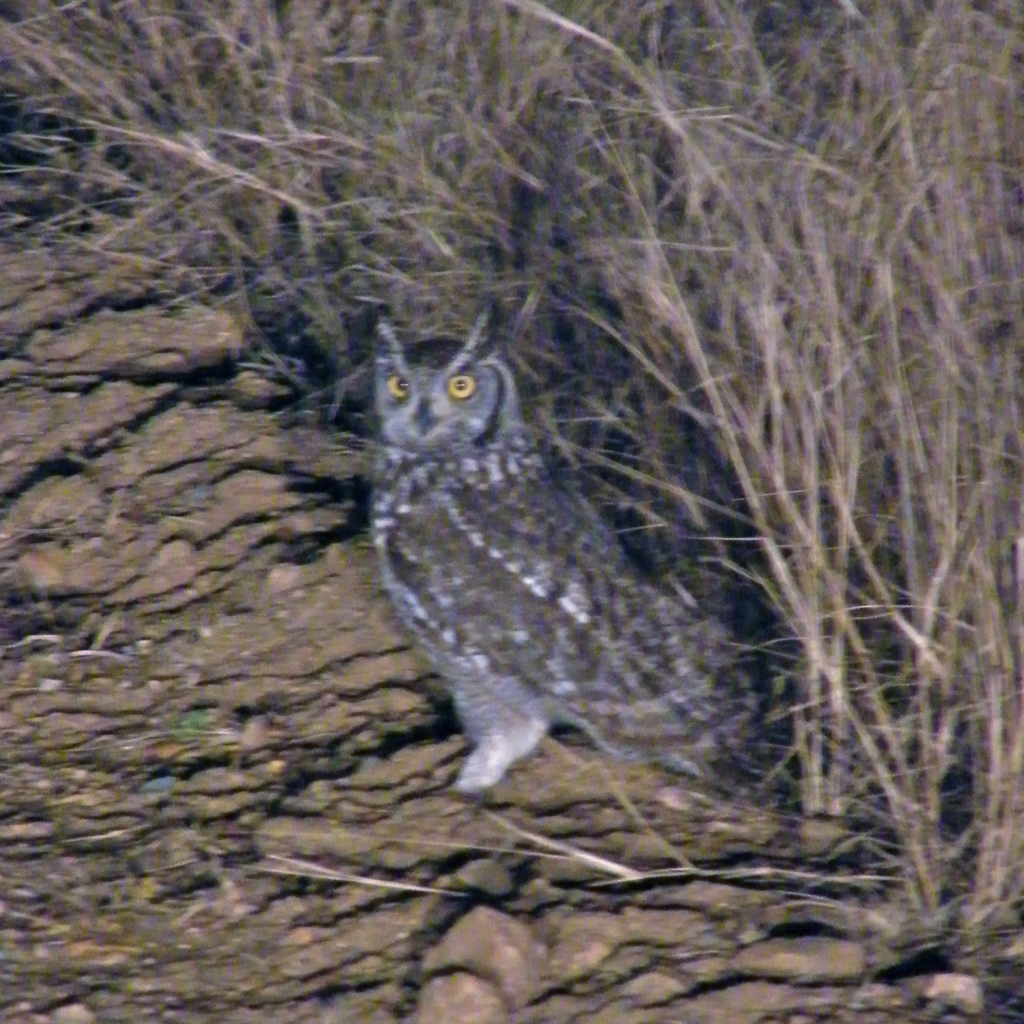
(461,386)
(398,386)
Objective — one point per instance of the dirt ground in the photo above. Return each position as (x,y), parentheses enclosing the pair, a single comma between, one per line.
(226,776)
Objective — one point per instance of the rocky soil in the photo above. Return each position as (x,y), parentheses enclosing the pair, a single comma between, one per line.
(226,776)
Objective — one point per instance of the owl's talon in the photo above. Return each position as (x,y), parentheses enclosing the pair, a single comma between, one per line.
(492,756)
(475,778)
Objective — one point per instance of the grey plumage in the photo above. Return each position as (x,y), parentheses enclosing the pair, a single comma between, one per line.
(521,597)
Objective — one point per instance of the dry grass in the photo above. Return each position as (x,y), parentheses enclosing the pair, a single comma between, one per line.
(759,266)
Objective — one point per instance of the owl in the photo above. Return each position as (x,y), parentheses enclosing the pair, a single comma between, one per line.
(521,597)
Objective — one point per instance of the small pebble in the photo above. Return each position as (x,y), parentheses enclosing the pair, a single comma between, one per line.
(493,946)
(957,991)
(460,999)
(73,1013)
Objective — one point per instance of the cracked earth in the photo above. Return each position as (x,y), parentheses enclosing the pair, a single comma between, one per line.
(226,776)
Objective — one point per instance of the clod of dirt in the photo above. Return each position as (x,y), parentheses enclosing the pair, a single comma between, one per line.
(956,992)
(460,999)
(810,960)
(585,940)
(495,947)
(653,989)
(487,876)
(73,1013)
(137,345)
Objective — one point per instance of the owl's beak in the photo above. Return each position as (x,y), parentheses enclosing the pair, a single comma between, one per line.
(424,417)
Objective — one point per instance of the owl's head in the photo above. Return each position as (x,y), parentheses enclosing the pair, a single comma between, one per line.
(442,395)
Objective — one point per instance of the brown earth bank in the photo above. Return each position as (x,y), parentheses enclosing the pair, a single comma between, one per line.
(226,776)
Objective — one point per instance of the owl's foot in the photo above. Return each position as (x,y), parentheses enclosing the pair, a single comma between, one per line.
(495,752)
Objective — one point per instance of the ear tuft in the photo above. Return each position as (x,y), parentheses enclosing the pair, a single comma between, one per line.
(386,333)
(468,352)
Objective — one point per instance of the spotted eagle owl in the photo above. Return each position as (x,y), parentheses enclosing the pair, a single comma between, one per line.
(522,598)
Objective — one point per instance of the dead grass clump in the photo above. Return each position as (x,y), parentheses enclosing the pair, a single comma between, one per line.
(864,377)
(762,272)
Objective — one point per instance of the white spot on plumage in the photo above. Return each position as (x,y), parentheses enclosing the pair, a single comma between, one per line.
(574,602)
(494,472)
(415,606)
(457,518)
(448,636)
(574,610)
(560,685)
